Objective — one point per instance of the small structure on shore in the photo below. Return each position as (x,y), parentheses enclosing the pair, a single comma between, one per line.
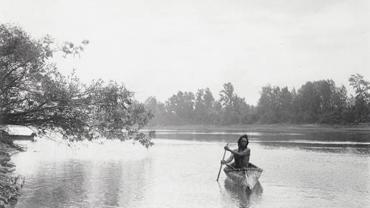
(9,133)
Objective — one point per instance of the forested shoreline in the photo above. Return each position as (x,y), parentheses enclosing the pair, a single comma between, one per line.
(315,102)
(34,93)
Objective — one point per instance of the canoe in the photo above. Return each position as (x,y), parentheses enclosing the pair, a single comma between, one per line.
(247,178)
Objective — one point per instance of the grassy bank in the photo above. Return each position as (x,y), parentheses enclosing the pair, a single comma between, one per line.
(10,184)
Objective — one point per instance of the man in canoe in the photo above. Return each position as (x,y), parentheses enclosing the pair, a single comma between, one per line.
(240,155)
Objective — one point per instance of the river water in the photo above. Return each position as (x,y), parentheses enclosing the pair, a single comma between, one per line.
(311,169)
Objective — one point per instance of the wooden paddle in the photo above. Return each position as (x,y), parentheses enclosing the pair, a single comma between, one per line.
(223,158)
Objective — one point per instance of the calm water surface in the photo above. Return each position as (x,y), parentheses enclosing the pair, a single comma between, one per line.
(300,170)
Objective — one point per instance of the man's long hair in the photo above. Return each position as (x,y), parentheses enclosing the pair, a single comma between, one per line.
(240,142)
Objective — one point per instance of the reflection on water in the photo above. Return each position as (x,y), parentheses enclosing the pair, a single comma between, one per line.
(84,184)
(314,137)
(182,173)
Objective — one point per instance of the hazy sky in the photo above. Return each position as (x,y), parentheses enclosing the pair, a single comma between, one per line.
(159,47)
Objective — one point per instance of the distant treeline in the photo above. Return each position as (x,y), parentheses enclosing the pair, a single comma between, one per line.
(314,102)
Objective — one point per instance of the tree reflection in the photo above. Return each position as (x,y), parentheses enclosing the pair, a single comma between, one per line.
(60,187)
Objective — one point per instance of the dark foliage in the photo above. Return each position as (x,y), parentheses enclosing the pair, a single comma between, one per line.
(34,93)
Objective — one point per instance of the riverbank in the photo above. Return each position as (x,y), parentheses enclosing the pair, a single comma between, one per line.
(268,127)
(10,184)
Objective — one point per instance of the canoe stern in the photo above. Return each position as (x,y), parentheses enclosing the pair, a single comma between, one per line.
(247,178)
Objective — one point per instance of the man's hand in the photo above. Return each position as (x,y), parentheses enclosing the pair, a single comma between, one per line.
(227,148)
(223,162)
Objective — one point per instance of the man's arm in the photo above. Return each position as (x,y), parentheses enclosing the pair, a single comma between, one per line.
(243,153)
(228,160)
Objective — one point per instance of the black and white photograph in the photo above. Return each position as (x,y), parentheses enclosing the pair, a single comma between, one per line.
(184,104)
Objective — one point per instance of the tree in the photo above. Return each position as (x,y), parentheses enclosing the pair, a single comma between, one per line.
(33,92)
(286,104)
(320,101)
(204,109)
(158,110)
(361,108)
(233,108)
(200,108)
(181,107)
(113,110)
(271,104)
(31,89)
(227,95)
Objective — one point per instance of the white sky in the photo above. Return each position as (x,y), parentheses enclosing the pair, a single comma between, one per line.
(159,47)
